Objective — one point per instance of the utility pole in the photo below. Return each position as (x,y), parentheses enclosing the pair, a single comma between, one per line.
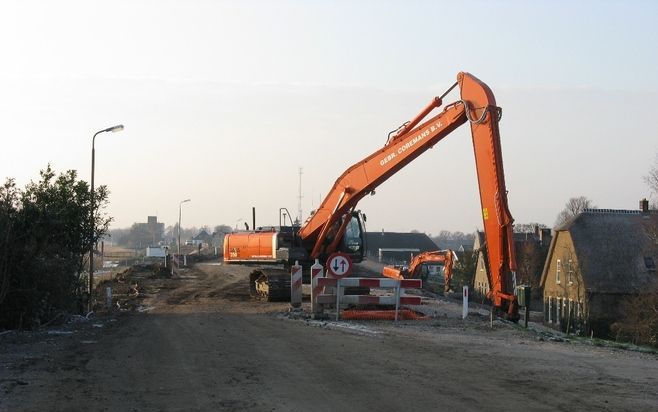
(299,203)
(180,206)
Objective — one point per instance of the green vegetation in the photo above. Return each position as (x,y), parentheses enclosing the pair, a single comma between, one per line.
(45,236)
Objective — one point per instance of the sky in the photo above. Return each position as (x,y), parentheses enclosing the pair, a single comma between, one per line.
(224,102)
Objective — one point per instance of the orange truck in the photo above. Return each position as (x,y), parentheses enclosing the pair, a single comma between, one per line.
(338,226)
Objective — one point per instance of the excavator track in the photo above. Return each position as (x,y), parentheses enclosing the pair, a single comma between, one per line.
(271,285)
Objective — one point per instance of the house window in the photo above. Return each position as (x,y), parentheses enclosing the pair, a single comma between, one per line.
(565,310)
(649,263)
(570,272)
(550,310)
(558,270)
(559,311)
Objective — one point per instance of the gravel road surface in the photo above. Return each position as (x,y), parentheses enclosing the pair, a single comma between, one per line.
(198,342)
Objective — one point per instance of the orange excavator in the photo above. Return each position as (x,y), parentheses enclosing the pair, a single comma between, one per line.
(337,226)
(446,257)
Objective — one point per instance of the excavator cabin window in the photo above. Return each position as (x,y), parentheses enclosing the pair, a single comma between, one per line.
(353,238)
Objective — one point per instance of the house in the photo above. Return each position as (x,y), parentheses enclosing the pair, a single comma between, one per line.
(595,261)
(149,233)
(202,238)
(394,247)
(530,249)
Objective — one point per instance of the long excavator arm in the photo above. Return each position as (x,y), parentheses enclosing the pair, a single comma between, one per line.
(477,106)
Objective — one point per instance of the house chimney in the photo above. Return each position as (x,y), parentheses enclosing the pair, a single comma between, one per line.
(644,205)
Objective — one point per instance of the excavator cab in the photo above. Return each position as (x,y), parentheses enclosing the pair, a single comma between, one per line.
(353,242)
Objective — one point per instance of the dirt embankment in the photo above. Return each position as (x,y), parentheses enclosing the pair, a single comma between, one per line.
(198,342)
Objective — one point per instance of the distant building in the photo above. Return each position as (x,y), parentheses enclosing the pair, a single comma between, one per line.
(394,247)
(150,233)
(202,238)
(156,251)
(595,261)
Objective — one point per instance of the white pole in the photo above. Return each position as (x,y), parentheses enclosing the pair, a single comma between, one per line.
(465,306)
(397,300)
(337,299)
(108,295)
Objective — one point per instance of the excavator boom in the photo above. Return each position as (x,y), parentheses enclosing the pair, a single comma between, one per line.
(335,223)
(477,106)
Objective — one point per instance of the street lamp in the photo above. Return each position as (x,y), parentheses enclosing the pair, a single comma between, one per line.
(180,207)
(112,129)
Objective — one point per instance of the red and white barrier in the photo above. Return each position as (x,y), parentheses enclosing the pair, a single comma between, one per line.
(296,286)
(316,273)
(399,298)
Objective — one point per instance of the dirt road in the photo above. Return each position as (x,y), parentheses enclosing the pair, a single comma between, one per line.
(199,343)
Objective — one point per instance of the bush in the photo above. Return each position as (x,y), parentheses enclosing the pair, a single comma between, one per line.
(45,235)
(639,323)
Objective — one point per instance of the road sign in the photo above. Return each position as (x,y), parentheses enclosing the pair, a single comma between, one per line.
(339,265)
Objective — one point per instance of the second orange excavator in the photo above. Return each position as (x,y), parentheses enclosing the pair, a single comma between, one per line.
(413,271)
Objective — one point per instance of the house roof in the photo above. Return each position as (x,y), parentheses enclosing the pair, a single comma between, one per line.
(377,240)
(203,235)
(465,248)
(611,247)
(479,240)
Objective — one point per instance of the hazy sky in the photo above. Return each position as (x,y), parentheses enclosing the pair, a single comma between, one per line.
(224,101)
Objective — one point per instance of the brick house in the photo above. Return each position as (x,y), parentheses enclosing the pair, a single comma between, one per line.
(594,261)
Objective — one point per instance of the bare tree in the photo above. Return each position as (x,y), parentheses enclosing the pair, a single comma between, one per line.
(576,315)
(530,261)
(573,207)
(223,229)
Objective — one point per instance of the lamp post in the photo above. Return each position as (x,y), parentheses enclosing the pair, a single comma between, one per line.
(112,129)
(180,207)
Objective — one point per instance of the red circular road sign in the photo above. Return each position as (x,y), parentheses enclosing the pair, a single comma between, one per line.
(339,265)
